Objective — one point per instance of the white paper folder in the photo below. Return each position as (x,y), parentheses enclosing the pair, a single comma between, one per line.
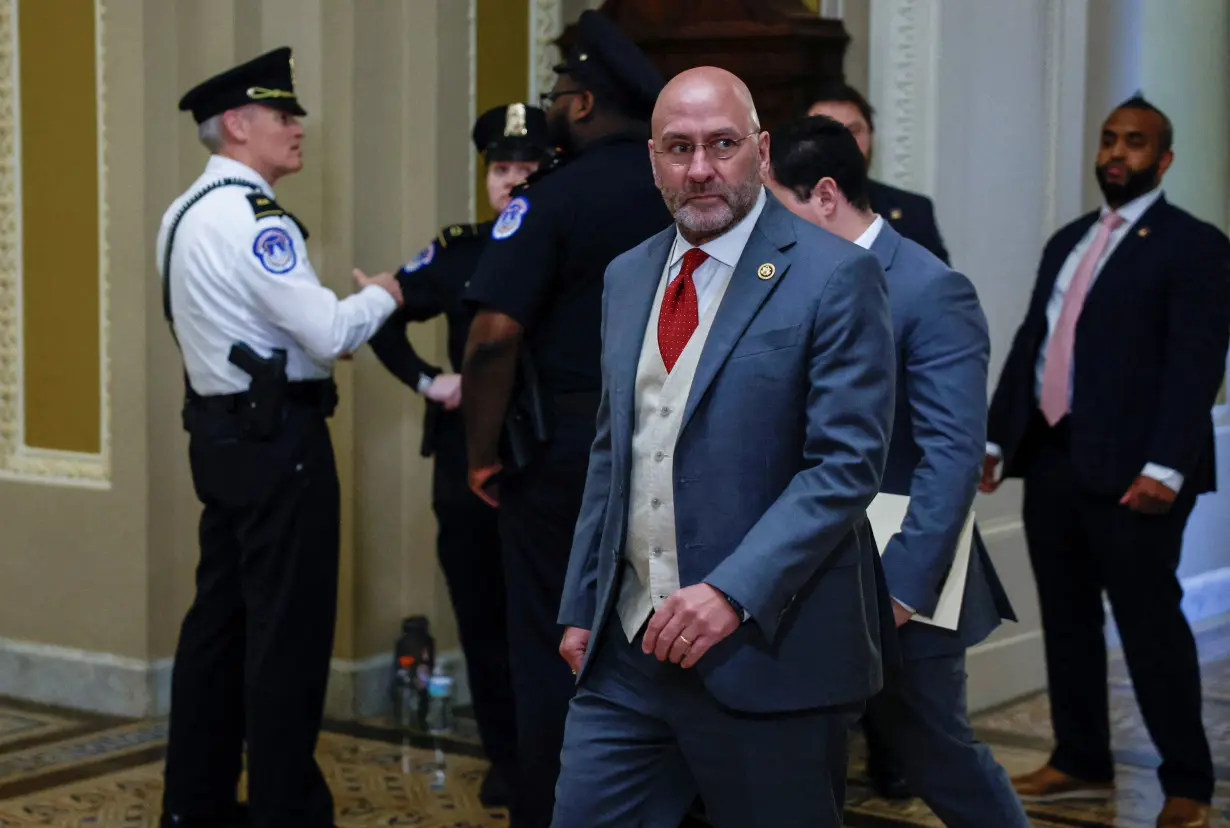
(887,513)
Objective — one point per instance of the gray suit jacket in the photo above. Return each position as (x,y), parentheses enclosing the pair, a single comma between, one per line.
(782,446)
(939,438)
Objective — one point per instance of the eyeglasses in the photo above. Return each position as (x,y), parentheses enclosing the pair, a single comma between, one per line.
(679,153)
(548,98)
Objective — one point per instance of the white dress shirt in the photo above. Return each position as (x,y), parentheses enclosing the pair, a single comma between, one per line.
(237,278)
(1131,213)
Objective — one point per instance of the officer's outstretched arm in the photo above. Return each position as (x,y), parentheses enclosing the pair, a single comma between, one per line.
(288,292)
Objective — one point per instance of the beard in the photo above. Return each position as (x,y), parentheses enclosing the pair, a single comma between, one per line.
(559,131)
(735,201)
(1134,185)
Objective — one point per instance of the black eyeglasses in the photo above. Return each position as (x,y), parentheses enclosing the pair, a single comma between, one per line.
(680,153)
(549,98)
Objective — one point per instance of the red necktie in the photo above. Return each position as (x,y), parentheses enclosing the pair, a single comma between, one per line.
(680,313)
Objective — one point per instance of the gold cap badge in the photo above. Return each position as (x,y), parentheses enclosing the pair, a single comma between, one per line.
(895,214)
(766,271)
(514,121)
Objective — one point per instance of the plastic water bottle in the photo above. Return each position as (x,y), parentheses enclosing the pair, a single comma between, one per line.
(439,723)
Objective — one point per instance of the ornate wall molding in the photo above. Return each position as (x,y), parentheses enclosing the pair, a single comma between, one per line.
(472,100)
(18,461)
(546,23)
(904,91)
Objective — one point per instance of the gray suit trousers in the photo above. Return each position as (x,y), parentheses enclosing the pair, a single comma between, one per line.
(643,737)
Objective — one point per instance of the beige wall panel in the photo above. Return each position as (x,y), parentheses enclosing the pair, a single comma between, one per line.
(73,568)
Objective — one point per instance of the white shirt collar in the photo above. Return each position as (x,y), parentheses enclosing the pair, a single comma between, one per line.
(869,236)
(230,168)
(1134,209)
(728,247)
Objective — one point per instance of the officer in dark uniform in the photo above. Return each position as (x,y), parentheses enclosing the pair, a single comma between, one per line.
(538,292)
(911,214)
(512,140)
(258,334)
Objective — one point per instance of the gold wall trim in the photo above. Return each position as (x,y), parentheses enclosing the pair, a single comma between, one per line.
(18,461)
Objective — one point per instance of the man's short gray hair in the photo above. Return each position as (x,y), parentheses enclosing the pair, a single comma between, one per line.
(210,133)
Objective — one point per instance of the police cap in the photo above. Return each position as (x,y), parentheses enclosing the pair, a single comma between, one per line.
(268,80)
(515,132)
(606,62)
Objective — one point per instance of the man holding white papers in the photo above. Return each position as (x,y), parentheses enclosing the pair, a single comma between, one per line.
(939,436)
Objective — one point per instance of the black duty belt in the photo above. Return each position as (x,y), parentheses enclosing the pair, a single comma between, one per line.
(317,394)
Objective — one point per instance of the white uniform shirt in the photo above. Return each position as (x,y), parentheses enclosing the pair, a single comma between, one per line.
(239,278)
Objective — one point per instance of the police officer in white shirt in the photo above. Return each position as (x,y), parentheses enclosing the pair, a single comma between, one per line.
(259,334)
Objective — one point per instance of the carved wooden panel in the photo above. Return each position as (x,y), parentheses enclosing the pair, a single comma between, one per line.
(780,48)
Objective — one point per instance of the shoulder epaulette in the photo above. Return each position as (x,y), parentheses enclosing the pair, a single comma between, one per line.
(265,207)
(457,232)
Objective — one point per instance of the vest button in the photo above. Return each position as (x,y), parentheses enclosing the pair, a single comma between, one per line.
(655,503)
(665,411)
(657,551)
(659,455)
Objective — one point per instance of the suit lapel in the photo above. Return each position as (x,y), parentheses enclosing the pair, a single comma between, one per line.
(1138,235)
(635,303)
(744,296)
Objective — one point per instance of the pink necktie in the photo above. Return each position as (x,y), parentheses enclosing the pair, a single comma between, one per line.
(680,311)
(1057,372)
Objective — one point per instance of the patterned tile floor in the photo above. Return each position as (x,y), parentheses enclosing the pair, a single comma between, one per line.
(61,769)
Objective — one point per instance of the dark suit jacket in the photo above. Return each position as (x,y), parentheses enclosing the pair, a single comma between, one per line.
(781,448)
(1150,355)
(912,215)
(939,437)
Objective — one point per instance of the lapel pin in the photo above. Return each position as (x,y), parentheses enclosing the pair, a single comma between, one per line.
(895,214)
(766,271)
(1142,232)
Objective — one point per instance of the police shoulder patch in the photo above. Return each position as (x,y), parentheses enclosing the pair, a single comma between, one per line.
(276,250)
(421,259)
(509,221)
(263,206)
(457,232)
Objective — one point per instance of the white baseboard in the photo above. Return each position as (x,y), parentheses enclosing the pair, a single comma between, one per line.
(1006,669)
(1205,596)
(83,680)
(124,686)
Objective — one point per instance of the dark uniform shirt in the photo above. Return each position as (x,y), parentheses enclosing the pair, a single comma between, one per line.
(433,283)
(549,250)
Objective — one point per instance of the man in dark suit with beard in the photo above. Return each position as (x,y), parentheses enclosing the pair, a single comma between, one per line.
(910,214)
(1103,408)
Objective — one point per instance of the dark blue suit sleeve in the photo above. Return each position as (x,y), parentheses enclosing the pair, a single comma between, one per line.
(848,422)
(579,602)
(1197,337)
(947,349)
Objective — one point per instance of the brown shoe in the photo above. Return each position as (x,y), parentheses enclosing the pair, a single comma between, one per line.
(1050,785)
(1183,813)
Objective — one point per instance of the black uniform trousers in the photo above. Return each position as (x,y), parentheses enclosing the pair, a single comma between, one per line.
(254,650)
(538,514)
(1081,545)
(468,548)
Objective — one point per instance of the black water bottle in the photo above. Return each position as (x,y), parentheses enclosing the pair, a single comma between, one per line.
(414,661)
